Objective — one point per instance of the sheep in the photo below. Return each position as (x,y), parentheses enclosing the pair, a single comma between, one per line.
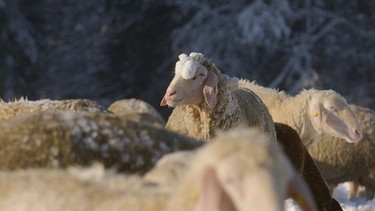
(63,138)
(230,165)
(205,101)
(339,161)
(311,112)
(138,110)
(241,170)
(171,167)
(22,106)
(76,188)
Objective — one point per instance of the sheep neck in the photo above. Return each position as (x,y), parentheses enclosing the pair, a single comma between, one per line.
(300,118)
(225,115)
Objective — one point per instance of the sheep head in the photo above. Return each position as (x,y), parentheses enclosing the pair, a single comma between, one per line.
(191,84)
(330,113)
(244,170)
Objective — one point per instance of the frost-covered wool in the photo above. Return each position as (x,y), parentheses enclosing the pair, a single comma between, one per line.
(311,112)
(244,158)
(340,161)
(24,106)
(63,138)
(231,106)
(137,110)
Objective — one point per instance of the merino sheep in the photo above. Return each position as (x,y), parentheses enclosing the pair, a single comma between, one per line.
(83,189)
(240,170)
(206,101)
(63,138)
(339,161)
(311,112)
(242,164)
(171,167)
(23,106)
(138,110)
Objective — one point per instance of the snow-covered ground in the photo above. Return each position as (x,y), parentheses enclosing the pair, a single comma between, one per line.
(340,194)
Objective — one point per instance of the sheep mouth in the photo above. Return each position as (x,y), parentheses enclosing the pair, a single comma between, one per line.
(174,102)
(355,137)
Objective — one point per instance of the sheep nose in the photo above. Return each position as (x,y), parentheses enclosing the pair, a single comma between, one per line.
(358,133)
(170,93)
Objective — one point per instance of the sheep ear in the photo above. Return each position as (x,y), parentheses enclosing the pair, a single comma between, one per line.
(316,116)
(211,195)
(209,91)
(163,102)
(299,191)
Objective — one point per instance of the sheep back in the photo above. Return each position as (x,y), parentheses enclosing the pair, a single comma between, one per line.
(77,189)
(137,110)
(23,106)
(59,139)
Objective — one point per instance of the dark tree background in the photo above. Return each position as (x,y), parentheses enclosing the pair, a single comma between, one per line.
(106,50)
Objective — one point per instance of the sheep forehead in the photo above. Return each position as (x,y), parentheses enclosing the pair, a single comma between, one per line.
(328,97)
(335,99)
(188,65)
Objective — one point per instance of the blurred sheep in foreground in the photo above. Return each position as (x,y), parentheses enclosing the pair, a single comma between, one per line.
(172,167)
(241,170)
(60,139)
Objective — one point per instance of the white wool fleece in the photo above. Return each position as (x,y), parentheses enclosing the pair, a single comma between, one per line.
(188,65)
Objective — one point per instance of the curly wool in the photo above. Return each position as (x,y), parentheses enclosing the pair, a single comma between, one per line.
(290,110)
(202,122)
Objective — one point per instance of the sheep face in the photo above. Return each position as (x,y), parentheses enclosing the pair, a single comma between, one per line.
(191,83)
(330,113)
(254,176)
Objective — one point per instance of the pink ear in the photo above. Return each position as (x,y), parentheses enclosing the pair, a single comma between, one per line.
(209,89)
(163,102)
(299,191)
(212,196)
(210,191)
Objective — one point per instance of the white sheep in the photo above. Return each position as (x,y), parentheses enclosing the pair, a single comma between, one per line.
(206,101)
(64,138)
(83,189)
(240,170)
(340,161)
(173,166)
(169,169)
(138,110)
(242,164)
(311,112)
(23,106)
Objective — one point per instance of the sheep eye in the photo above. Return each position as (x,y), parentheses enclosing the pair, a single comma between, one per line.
(333,109)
